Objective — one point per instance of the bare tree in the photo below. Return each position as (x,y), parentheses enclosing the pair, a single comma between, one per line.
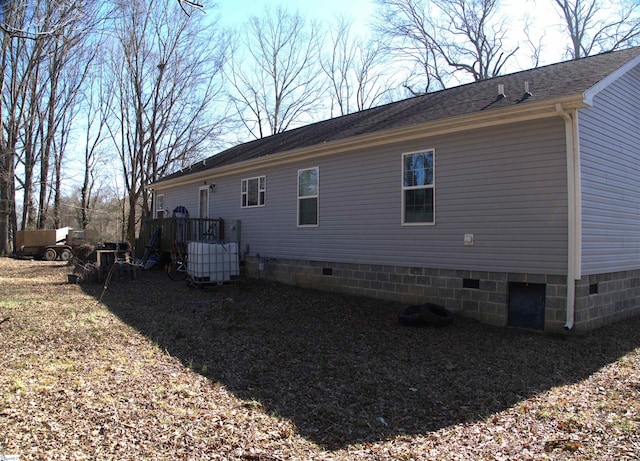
(166,73)
(354,71)
(532,45)
(40,39)
(275,74)
(96,101)
(69,59)
(18,62)
(31,133)
(447,39)
(594,26)
(38,26)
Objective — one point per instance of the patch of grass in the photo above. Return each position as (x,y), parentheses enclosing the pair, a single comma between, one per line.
(622,423)
(17,385)
(7,305)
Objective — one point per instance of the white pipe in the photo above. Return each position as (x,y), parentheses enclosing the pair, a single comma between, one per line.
(574,231)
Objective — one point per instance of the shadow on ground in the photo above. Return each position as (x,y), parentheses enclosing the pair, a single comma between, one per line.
(342,368)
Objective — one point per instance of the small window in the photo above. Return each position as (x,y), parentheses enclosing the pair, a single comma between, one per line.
(254,191)
(418,188)
(160,206)
(308,192)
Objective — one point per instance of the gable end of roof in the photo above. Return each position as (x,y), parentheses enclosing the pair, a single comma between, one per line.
(592,92)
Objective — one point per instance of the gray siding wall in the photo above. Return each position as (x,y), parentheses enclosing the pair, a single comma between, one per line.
(610,168)
(506,186)
(185,196)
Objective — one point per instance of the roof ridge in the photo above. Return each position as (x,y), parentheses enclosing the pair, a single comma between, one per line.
(569,62)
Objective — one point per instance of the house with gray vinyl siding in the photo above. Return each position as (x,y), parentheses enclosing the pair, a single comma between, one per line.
(514,200)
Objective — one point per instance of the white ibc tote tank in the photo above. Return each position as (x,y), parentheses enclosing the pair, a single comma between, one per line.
(213,262)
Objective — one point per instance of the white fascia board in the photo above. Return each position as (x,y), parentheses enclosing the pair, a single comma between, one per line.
(609,79)
(525,112)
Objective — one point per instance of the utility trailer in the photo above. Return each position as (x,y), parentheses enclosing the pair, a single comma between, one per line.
(48,244)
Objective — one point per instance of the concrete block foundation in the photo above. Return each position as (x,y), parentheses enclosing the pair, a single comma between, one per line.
(481,295)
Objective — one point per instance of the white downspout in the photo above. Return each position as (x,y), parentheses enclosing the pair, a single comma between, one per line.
(574,236)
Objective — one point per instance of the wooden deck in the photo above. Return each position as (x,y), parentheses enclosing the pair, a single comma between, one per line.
(180,230)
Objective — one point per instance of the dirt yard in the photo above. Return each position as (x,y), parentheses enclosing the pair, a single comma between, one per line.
(159,370)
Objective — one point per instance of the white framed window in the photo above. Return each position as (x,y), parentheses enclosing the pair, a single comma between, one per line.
(253,192)
(418,188)
(160,206)
(308,193)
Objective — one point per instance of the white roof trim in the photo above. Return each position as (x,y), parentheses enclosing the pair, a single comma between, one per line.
(609,79)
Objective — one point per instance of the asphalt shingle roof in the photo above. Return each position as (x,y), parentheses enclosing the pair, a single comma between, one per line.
(548,82)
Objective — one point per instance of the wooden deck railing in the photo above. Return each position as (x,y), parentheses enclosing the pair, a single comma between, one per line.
(182,230)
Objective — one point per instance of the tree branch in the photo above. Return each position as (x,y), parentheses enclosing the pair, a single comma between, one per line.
(192,4)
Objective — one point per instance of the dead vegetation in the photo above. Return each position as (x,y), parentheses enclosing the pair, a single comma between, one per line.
(160,370)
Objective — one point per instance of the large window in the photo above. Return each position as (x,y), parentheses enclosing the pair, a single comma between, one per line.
(254,191)
(417,188)
(308,197)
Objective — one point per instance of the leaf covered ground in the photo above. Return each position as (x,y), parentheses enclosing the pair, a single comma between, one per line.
(159,370)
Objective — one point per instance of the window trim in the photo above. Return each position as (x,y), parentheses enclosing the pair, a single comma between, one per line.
(207,190)
(246,193)
(158,202)
(316,196)
(432,186)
